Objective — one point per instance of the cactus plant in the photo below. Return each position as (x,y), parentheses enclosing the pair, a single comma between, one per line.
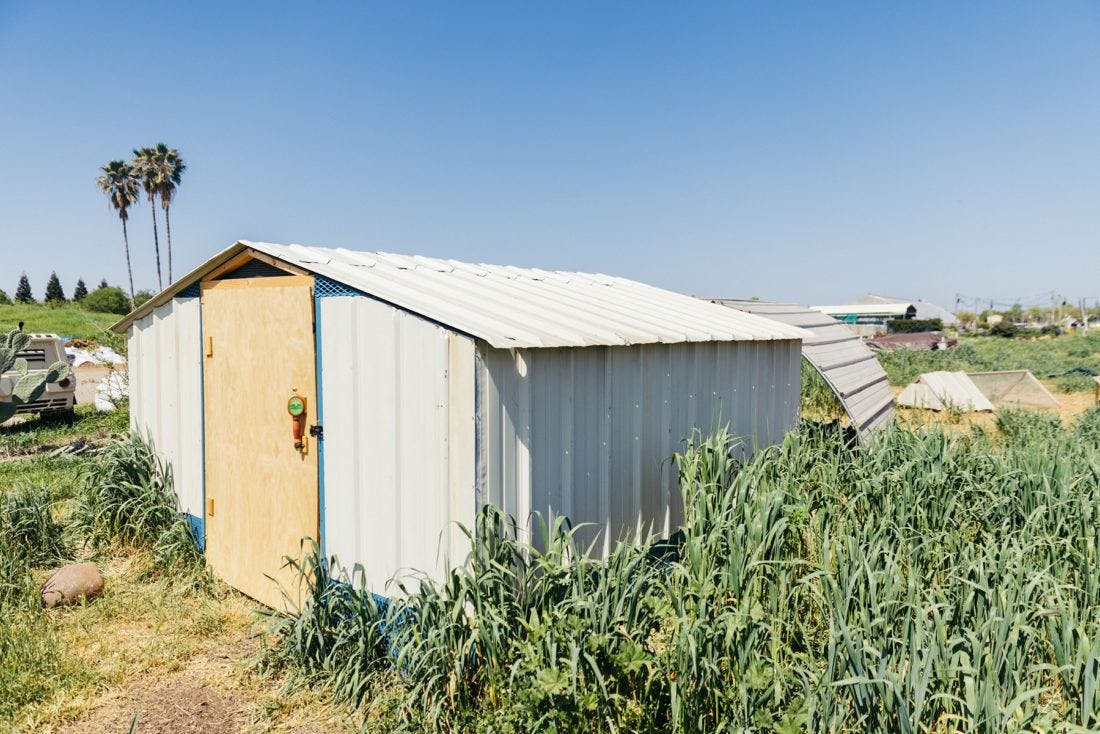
(29,384)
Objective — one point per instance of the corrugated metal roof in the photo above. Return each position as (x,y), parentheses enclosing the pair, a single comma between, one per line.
(940,390)
(520,307)
(850,368)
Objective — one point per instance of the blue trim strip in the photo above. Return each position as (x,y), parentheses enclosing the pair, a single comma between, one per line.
(200,536)
(198,530)
(317,296)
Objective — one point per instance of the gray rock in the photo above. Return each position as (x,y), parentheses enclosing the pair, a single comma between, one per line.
(69,584)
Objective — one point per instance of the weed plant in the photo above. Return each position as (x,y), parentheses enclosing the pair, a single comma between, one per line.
(930,583)
(127,497)
(28,527)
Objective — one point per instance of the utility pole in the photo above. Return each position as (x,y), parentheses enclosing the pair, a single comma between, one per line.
(1084,318)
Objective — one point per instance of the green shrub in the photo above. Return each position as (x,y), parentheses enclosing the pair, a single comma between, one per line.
(912,326)
(5,299)
(1005,329)
(107,299)
(142,297)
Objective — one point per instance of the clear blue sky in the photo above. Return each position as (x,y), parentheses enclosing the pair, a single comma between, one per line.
(804,151)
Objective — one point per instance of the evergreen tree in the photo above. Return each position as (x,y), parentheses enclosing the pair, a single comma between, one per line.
(54,292)
(80,291)
(23,290)
(103,283)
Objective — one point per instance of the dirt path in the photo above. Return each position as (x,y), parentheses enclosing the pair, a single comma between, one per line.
(200,698)
(185,661)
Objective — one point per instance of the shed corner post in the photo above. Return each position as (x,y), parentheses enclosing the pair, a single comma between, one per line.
(319,386)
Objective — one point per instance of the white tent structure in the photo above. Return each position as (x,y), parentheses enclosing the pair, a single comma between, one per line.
(943,391)
(1013,389)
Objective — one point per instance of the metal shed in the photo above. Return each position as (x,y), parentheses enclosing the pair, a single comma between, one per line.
(841,357)
(425,389)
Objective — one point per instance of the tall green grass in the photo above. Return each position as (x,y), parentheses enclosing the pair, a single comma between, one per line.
(28,527)
(930,583)
(126,496)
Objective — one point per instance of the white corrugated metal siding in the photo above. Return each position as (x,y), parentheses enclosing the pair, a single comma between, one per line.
(588,433)
(165,360)
(848,366)
(398,396)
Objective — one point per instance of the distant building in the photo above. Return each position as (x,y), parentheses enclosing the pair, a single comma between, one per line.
(925,309)
(868,319)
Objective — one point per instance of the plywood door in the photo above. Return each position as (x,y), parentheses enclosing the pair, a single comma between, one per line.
(261,491)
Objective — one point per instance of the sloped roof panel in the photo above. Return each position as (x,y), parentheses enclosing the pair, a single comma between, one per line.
(512,307)
(841,357)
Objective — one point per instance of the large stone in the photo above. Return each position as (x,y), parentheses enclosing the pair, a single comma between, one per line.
(69,584)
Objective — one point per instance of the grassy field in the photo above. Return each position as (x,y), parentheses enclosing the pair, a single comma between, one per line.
(1064,362)
(935,582)
(163,642)
(932,583)
(66,321)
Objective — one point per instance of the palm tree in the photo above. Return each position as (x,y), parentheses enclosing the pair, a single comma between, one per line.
(171,173)
(121,187)
(146,169)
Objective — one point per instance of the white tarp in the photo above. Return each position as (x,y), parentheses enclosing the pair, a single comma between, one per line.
(98,356)
(943,390)
(114,389)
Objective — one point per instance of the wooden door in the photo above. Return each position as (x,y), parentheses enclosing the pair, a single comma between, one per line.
(261,491)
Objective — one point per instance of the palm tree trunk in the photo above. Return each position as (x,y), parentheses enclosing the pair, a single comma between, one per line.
(168,231)
(156,241)
(129,267)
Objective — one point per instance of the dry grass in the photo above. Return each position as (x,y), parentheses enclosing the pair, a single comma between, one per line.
(184,659)
(1070,407)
